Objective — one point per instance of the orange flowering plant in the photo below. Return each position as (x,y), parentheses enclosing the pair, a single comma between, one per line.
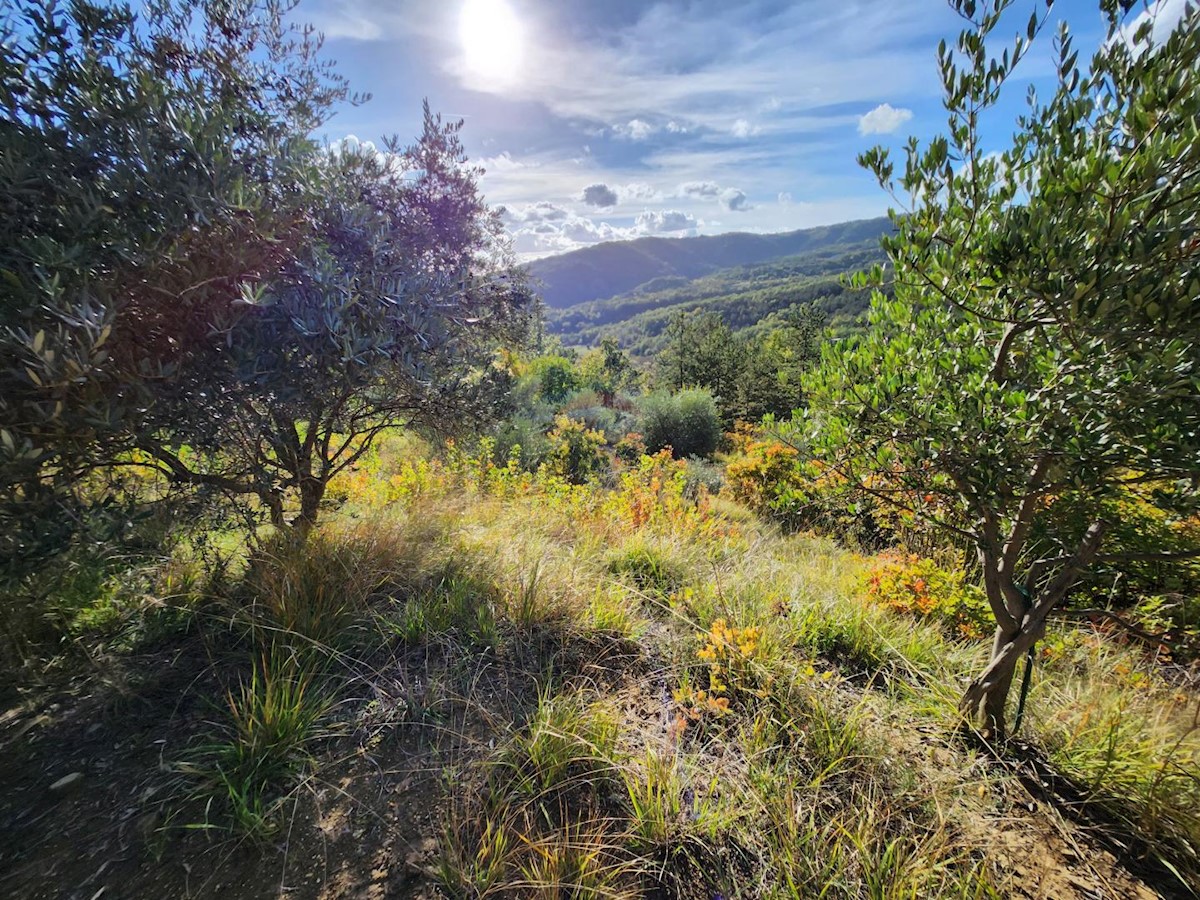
(733,663)
(915,585)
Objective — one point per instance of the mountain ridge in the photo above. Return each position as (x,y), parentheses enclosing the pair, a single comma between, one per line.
(613,268)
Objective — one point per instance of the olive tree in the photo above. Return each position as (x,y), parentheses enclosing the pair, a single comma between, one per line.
(146,173)
(385,315)
(189,282)
(1043,339)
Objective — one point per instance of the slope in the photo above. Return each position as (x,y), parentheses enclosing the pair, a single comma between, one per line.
(609,269)
(742,296)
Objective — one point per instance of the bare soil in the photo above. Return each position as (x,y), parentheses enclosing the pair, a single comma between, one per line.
(367,824)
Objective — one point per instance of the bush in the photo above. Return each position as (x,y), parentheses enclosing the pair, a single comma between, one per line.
(686,422)
(1153,532)
(598,418)
(575,451)
(772,479)
(527,437)
(703,476)
(911,584)
(630,448)
(556,378)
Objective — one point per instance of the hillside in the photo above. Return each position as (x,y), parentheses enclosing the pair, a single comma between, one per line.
(743,296)
(606,270)
(477,682)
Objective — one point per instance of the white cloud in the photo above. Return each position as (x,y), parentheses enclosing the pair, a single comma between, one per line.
(699,189)
(676,128)
(744,129)
(784,198)
(599,195)
(351,144)
(733,63)
(659,221)
(735,200)
(543,238)
(542,211)
(883,119)
(346,19)
(634,130)
(502,162)
(585,231)
(1164,14)
(638,190)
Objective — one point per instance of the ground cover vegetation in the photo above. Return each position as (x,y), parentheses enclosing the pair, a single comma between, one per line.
(327,573)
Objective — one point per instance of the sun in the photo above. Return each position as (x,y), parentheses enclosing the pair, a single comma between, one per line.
(492,39)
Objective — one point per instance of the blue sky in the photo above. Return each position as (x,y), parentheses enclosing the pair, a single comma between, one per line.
(608,120)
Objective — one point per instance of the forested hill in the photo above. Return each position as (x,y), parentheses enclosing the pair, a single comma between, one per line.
(743,296)
(606,270)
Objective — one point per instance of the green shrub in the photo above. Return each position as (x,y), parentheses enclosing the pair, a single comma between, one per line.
(555,376)
(910,584)
(598,418)
(525,435)
(630,448)
(575,451)
(686,422)
(702,476)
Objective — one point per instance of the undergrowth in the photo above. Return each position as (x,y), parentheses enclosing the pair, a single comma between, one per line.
(669,697)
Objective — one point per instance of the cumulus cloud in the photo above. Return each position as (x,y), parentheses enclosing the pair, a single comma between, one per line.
(676,128)
(585,231)
(351,145)
(599,195)
(735,200)
(634,130)
(638,190)
(502,162)
(744,129)
(533,212)
(545,237)
(700,189)
(785,198)
(540,237)
(659,221)
(883,119)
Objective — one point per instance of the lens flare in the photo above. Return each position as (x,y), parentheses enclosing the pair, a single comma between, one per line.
(492,39)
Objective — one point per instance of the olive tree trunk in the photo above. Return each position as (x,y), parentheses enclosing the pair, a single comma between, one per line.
(1020,620)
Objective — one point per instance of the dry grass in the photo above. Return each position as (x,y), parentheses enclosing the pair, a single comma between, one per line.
(574,630)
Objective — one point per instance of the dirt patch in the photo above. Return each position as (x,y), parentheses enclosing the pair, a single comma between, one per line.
(365,824)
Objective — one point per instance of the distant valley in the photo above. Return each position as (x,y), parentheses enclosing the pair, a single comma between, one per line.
(630,289)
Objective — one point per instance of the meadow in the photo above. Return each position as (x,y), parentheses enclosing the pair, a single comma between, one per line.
(478,681)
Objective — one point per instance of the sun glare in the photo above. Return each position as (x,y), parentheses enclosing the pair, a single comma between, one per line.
(492,39)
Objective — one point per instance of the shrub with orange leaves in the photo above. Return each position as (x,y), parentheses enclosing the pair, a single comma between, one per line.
(733,663)
(914,585)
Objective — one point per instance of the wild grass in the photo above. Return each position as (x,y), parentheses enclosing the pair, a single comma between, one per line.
(768,731)
(1128,740)
(263,739)
(534,825)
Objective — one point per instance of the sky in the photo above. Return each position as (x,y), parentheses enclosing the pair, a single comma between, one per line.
(604,120)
